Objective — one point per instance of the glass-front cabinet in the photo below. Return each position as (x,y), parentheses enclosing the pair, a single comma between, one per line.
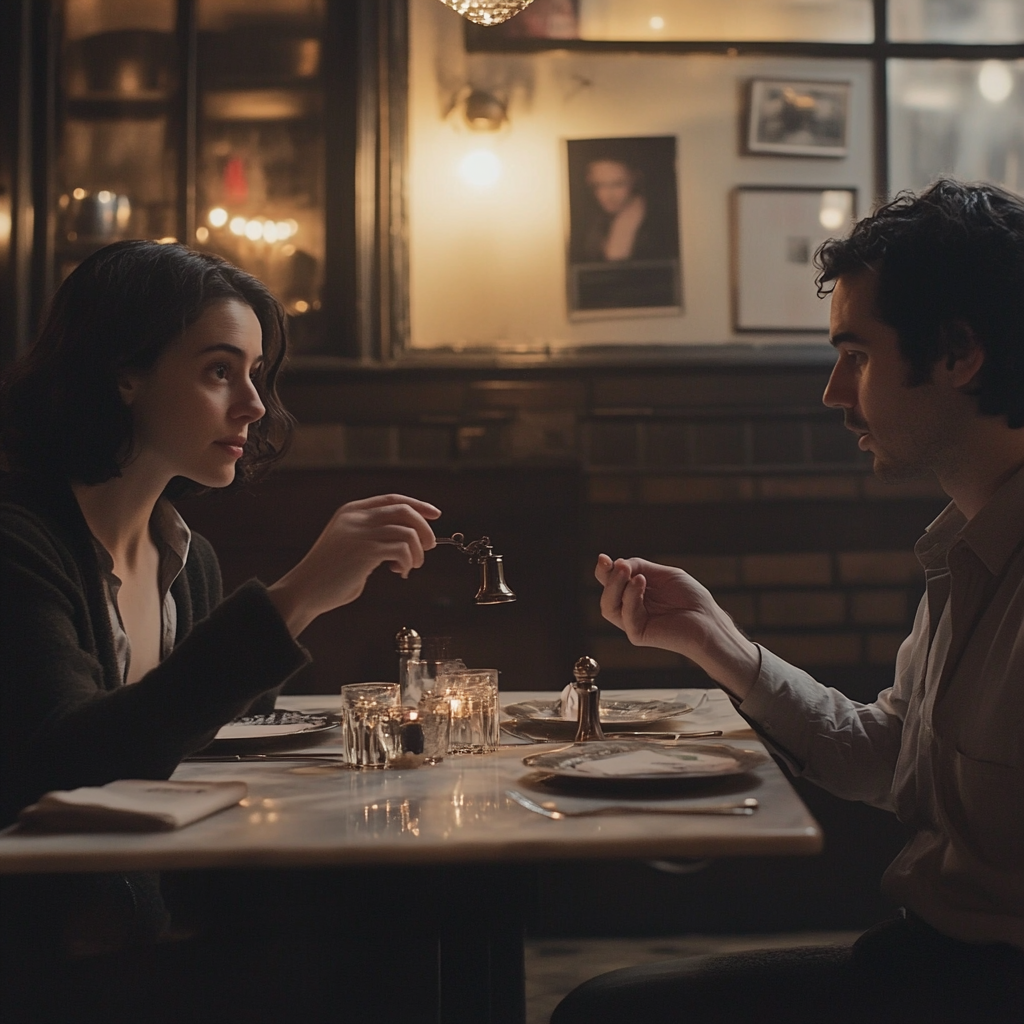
(118,147)
(260,169)
(199,122)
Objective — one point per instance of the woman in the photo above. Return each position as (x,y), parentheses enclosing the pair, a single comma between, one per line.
(622,222)
(154,376)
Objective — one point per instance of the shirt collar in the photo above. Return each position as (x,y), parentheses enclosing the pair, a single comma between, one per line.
(172,538)
(993,534)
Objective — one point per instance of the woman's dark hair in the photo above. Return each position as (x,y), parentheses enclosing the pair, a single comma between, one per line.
(950,264)
(61,412)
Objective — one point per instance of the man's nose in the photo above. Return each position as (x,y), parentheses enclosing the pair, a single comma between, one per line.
(839,391)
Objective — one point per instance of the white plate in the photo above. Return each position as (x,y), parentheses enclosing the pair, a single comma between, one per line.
(279,725)
(618,714)
(638,761)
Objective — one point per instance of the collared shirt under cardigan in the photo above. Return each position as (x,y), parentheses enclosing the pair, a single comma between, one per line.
(66,717)
(944,746)
(172,538)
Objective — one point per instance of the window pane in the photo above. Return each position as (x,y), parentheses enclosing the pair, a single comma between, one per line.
(839,21)
(956,21)
(116,168)
(964,118)
(260,180)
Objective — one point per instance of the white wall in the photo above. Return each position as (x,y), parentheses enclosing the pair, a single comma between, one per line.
(487,266)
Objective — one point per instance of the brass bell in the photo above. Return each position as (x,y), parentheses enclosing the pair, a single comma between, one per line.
(493,588)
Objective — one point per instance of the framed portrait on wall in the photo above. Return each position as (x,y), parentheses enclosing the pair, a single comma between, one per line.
(623,249)
(798,118)
(775,234)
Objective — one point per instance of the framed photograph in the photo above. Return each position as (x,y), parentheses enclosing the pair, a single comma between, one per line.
(623,251)
(775,234)
(798,118)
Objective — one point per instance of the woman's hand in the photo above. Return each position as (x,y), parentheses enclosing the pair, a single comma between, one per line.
(390,528)
(659,606)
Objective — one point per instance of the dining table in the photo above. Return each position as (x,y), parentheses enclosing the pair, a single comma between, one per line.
(457,822)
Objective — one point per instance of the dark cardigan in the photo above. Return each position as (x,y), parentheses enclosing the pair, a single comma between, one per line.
(66,719)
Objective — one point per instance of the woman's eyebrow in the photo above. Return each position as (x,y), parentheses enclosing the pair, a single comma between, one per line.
(223,346)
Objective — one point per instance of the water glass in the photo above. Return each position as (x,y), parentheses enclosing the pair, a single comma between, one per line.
(364,709)
(473,697)
(415,736)
(426,676)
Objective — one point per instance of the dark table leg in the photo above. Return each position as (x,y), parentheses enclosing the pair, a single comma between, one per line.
(481,974)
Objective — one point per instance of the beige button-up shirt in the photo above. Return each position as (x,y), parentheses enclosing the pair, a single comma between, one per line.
(172,537)
(944,746)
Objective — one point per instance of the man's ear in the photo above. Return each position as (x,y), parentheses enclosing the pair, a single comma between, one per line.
(966,353)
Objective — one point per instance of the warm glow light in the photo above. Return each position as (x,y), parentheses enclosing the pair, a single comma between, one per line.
(835,210)
(831,218)
(253,230)
(237,226)
(79,193)
(293,226)
(481,168)
(167,240)
(995,82)
(104,196)
(284,229)
(288,250)
(270,231)
(301,306)
(657,23)
(218,216)
(202,233)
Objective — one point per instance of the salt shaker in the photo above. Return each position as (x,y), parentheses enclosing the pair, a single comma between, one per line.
(407,646)
(589,728)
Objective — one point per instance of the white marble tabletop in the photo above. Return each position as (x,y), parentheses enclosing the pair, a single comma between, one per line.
(309,814)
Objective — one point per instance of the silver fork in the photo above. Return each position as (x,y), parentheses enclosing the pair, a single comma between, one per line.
(549,810)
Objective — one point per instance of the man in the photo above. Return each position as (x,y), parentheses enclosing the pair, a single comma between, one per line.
(928,325)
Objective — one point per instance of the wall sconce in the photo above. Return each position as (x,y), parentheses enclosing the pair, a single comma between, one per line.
(485,112)
(487,12)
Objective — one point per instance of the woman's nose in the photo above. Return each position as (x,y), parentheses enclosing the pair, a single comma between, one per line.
(250,407)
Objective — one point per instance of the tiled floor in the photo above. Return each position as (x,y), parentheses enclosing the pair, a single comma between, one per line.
(556,966)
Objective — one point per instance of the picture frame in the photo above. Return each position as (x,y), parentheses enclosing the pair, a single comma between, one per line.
(776,232)
(797,118)
(623,248)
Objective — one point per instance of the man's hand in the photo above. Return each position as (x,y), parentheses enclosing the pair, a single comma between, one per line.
(659,606)
(390,528)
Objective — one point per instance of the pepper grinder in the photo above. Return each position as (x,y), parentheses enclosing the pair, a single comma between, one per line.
(589,700)
(407,646)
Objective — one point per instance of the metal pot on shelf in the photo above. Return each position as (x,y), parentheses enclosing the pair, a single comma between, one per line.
(126,65)
(102,215)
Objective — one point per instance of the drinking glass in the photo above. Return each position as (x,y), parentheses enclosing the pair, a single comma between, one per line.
(364,708)
(473,696)
(415,736)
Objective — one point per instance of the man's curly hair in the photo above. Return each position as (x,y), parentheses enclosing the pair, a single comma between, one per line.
(950,266)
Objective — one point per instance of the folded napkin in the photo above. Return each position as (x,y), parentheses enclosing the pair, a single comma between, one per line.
(131,805)
(655,762)
(570,704)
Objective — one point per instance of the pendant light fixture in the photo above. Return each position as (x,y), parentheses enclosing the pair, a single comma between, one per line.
(487,12)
